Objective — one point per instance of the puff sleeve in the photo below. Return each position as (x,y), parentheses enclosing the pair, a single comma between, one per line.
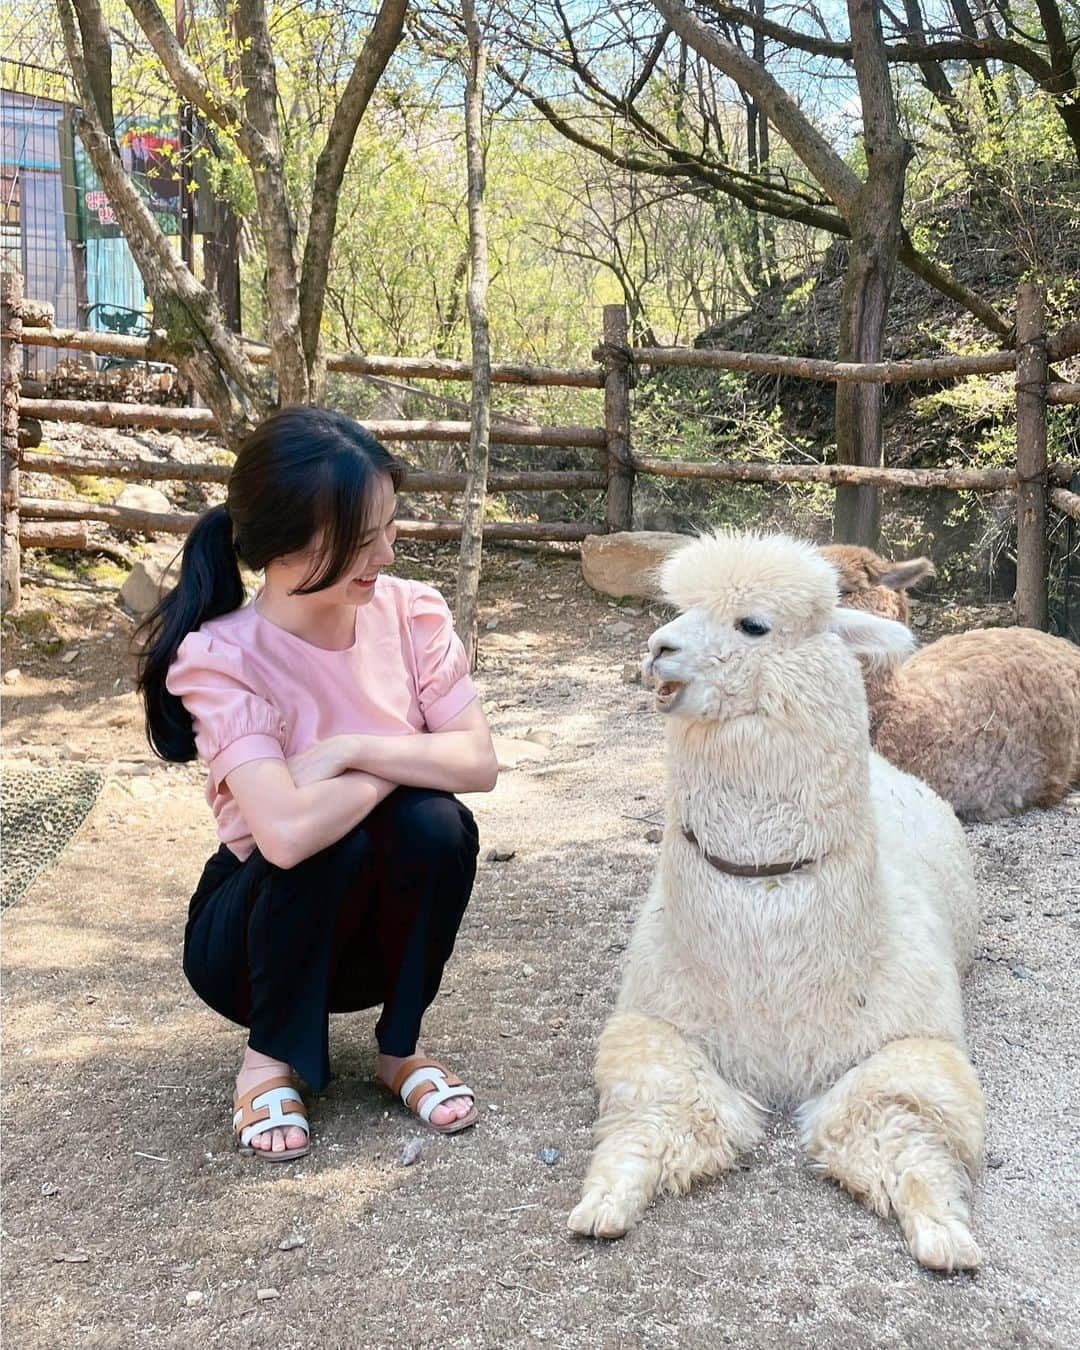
(443,685)
(233,723)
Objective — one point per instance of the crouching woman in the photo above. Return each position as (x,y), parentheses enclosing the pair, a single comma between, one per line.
(336,717)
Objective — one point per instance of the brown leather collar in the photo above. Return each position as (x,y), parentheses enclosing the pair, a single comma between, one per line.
(743,869)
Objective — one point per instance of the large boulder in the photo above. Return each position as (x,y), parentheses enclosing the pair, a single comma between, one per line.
(626,563)
(152,575)
(144,498)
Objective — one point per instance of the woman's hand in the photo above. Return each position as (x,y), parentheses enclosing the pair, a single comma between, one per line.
(320,762)
(459,757)
(289,822)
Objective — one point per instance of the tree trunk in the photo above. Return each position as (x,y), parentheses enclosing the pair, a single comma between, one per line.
(380,45)
(472,520)
(1031,373)
(276,219)
(11,286)
(211,356)
(875,243)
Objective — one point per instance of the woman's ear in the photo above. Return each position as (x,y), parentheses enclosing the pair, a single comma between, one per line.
(882,642)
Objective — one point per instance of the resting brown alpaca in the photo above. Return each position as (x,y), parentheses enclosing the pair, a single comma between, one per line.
(869,582)
(990,719)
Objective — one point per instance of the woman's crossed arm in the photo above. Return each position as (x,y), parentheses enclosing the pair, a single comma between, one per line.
(297,807)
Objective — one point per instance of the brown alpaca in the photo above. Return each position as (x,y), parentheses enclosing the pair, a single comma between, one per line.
(989,718)
(869,582)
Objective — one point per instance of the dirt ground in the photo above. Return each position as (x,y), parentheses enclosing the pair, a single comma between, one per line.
(129,1221)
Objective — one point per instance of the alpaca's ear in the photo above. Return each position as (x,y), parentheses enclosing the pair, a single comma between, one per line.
(883,642)
(900,576)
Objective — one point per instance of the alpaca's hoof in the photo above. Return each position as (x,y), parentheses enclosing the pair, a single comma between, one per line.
(943,1244)
(600,1214)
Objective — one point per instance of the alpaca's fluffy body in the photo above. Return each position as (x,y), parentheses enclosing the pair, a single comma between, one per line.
(989,718)
(784,991)
(834,989)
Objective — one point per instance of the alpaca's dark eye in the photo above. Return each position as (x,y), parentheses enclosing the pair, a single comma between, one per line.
(753,627)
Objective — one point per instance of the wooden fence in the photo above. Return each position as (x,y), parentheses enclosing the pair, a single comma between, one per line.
(1038,487)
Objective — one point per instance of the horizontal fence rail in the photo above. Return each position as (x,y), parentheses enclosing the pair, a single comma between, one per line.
(835,475)
(834,372)
(155,348)
(180,522)
(174,471)
(202,419)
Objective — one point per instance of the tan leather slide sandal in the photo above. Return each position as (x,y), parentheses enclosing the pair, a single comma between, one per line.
(263,1109)
(423,1084)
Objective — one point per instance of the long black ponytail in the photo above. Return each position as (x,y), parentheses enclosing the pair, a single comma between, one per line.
(303,474)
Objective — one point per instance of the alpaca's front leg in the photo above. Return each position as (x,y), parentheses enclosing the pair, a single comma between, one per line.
(666,1118)
(903,1131)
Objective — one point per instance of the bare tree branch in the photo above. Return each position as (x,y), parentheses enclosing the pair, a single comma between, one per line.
(376,52)
(190,82)
(757,194)
(840,182)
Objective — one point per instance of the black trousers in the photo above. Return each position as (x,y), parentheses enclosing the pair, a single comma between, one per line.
(371,919)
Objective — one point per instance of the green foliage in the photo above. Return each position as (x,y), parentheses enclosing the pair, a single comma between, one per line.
(91,489)
(31,623)
(720,416)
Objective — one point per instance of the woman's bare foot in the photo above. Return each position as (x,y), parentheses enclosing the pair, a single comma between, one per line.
(256,1069)
(455,1108)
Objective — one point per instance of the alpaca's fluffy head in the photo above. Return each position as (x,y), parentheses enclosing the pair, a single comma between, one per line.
(757,615)
(868,582)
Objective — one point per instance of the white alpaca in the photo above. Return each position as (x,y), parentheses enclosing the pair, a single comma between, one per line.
(812,910)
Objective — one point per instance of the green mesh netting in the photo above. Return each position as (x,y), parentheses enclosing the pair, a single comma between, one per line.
(41,808)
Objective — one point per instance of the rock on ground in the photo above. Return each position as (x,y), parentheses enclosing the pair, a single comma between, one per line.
(143,588)
(625,563)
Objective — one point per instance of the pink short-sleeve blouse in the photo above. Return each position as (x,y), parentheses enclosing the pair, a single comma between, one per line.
(255,691)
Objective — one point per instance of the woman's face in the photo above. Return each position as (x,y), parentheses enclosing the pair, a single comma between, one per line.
(357,585)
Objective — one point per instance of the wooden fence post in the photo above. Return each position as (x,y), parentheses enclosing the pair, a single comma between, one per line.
(620,468)
(1031,377)
(11,294)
